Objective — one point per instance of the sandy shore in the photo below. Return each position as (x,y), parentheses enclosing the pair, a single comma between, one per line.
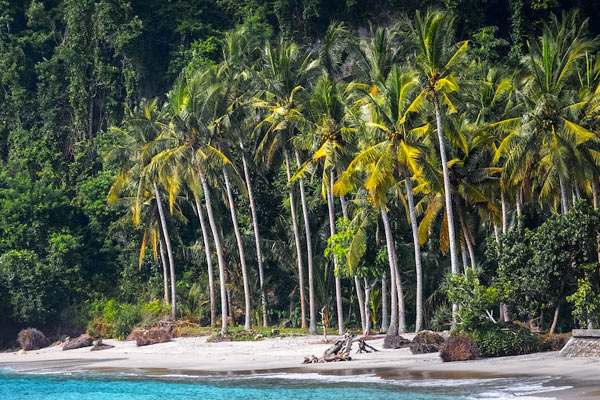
(193,356)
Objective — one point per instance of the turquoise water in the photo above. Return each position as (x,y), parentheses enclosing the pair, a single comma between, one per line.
(264,387)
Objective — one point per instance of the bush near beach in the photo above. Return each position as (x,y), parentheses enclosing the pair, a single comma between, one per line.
(32,339)
(459,348)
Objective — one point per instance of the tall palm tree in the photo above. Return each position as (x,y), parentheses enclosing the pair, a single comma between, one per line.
(285,70)
(386,160)
(549,139)
(437,56)
(134,150)
(240,51)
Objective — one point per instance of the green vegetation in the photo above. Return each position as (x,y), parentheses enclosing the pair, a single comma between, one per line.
(240,164)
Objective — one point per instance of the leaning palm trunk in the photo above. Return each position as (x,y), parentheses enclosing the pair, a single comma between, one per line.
(211,279)
(368,288)
(448,197)
(469,246)
(389,241)
(357,285)
(418,267)
(220,257)
(163,260)
(447,192)
(297,241)
(261,272)
(312,325)
(163,223)
(338,281)
(240,246)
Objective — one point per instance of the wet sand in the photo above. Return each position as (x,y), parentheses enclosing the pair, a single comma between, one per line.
(194,357)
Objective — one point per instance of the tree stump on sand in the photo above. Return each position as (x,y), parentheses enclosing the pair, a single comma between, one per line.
(340,351)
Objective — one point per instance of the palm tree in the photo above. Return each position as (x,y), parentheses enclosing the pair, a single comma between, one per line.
(134,149)
(187,157)
(436,57)
(239,52)
(392,158)
(548,141)
(285,70)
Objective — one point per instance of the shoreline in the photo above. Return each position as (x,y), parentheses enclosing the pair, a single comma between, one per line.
(193,357)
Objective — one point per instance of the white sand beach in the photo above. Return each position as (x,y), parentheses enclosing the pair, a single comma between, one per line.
(194,356)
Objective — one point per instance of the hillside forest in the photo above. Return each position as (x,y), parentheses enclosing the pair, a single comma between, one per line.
(372,165)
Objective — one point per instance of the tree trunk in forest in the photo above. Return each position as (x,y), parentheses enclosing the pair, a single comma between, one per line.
(312,325)
(338,281)
(163,223)
(163,260)
(496,235)
(447,190)
(296,240)
(384,304)
(555,319)
(220,257)
(417,249)
(240,246)
(563,196)
(209,265)
(519,202)
(259,256)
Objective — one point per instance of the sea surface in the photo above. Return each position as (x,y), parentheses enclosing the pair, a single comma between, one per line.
(302,386)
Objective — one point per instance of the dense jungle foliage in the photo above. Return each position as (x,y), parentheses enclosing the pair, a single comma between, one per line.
(119,118)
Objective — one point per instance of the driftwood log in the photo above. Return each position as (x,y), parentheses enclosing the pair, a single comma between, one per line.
(363,347)
(339,351)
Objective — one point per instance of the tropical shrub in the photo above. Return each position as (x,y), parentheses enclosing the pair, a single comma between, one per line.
(426,342)
(498,340)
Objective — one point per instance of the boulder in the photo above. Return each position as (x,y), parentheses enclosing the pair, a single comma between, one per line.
(459,348)
(84,340)
(32,339)
(152,336)
(395,342)
(426,342)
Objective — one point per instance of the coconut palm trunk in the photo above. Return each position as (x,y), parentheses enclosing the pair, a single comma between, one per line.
(504,212)
(447,191)
(312,325)
(361,303)
(563,196)
(417,248)
(297,241)
(240,246)
(367,304)
(384,304)
(338,280)
(163,260)
(211,279)
(259,257)
(357,284)
(395,304)
(469,246)
(163,223)
(220,257)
